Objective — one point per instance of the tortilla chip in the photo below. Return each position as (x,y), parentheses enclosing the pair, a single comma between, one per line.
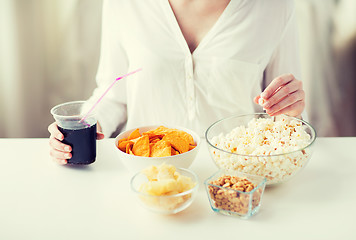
(191,147)
(177,141)
(154,140)
(161,149)
(142,147)
(173,152)
(130,152)
(122,145)
(135,134)
(164,131)
(161,130)
(121,140)
(129,146)
(186,136)
(150,143)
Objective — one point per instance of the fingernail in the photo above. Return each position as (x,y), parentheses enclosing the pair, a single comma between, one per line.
(67,148)
(64,162)
(67,155)
(60,136)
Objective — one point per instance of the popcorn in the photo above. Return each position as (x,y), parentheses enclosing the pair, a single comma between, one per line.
(265,147)
(261,101)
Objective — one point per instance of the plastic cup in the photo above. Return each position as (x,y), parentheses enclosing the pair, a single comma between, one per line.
(81,136)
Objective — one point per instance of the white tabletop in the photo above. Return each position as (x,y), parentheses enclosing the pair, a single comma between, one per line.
(42,200)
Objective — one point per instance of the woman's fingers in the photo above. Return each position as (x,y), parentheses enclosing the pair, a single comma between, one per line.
(58,145)
(283,105)
(256,99)
(292,110)
(284,95)
(99,135)
(59,151)
(275,84)
(283,92)
(59,156)
(53,130)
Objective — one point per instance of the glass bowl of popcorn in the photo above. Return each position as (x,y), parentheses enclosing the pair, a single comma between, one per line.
(165,189)
(272,147)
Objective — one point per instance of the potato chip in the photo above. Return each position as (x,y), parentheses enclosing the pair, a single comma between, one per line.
(142,147)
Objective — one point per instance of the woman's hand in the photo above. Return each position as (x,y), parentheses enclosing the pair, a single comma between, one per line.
(284,95)
(59,151)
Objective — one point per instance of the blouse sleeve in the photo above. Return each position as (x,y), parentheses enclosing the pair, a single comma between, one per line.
(111,112)
(285,58)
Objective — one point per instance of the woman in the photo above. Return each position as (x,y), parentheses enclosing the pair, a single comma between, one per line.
(202,60)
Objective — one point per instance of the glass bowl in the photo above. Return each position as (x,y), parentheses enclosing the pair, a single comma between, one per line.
(167,204)
(231,200)
(277,166)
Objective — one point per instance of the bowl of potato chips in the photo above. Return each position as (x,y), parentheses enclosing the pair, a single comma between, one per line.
(165,189)
(142,147)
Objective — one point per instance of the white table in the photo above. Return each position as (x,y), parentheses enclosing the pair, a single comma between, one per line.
(42,200)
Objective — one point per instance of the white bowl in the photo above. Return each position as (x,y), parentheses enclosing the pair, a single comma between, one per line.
(137,163)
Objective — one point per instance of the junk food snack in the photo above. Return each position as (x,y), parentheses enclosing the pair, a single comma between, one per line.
(164,180)
(159,142)
(264,147)
(234,200)
(163,185)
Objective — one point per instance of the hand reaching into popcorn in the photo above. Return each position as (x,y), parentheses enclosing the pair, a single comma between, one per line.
(284,95)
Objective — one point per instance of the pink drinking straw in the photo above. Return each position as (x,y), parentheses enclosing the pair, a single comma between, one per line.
(107,90)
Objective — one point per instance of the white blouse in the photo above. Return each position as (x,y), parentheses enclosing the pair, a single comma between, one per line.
(252,42)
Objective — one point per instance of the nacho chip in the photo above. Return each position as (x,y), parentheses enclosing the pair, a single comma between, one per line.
(177,141)
(186,136)
(120,141)
(164,131)
(154,140)
(161,149)
(123,144)
(135,134)
(159,142)
(130,152)
(142,147)
(191,147)
(173,152)
(129,146)
(152,135)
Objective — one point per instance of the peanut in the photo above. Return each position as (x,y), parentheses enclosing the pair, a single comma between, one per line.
(230,199)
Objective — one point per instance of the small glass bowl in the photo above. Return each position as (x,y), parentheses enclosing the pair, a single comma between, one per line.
(231,202)
(171,204)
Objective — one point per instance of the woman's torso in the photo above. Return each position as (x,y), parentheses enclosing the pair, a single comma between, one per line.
(220,77)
